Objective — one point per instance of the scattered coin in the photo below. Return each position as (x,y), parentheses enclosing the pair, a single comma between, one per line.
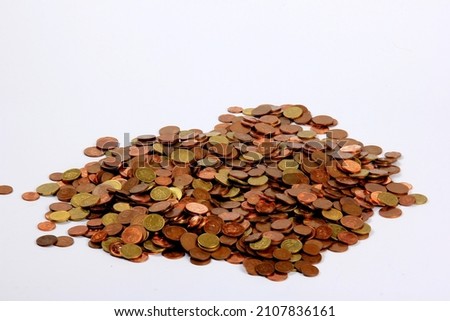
(5,189)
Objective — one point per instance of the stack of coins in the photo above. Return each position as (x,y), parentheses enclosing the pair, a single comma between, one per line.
(271,188)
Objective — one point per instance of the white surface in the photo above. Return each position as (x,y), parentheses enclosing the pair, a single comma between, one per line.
(72,71)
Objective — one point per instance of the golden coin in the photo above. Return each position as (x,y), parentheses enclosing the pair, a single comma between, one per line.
(262,244)
(388,199)
(365,229)
(154,222)
(60,216)
(292,245)
(181,155)
(131,251)
(110,218)
(420,199)
(208,242)
(78,214)
(292,112)
(332,214)
(48,189)
(71,174)
(145,174)
(160,193)
(80,199)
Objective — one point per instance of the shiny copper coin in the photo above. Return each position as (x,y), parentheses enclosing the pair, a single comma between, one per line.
(306,197)
(30,196)
(323,232)
(46,226)
(93,152)
(133,234)
(64,241)
(46,240)
(197,208)
(174,232)
(233,229)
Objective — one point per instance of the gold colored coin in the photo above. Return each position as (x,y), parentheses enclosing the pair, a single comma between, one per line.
(292,112)
(48,189)
(332,214)
(208,241)
(59,216)
(258,181)
(420,199)
(181,155)
(365,229)
(154,222)
(78,214)
(71,174)
(160,193)
(145,174)
(262,244)
(388,199)
(131,251)
(110,218)
(292,245)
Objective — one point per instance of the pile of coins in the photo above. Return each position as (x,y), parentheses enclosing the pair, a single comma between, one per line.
(271,188)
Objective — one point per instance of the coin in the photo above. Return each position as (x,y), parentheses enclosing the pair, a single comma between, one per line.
(154,222)
(64,241)
(46,240)
(5,189)
(46,226)
(208,242)
(47,189)
(197,208)
(130,251)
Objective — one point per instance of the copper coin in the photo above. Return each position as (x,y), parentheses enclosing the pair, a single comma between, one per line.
(46,240)
(284,267)
(30,196)
(306,197)
(5,189)
(173,232)
(265,268)
(140,259)
(250,265)
(133,234)
(56,177)
(113,229)
(93,151)
(64,241)
(106,143)
(99,236)
(233,229)
(199,254)
(407,200)
(78,230)
(46,226)
(222,253)
(236,258)
(352,222)
(281,224)
(390,212)
(173,254)
(282,254)
(323,232)
(197,208)
(60,206)
(312,247)
(347,237)
(338,247)
(188,241)
(277,277)
(397,188)
(309,270)
(200,262)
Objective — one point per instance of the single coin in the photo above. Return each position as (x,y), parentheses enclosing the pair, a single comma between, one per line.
(59,216)
(47,189)
(199,254)
(292,245)
(332,214)
(262,244)
(160,193)
(352,222)
(46,226)
(71,174)
(420,199)
(265,268)
(312,247)
(388,199)
(282,254)
(347,237)
(133,234)
(284,267)
(222,253)
(93,152)
(197,208)
(5,189)
(106,143)
(64,241)
(390,212)
(173,232)
(154,222)
(397,188)
(46,240)
(306,197)
(60,206)
(78,230)
(145,174)
(292,112)
(407,200)
(56,176)
(188,241)
(208,241)
(130,251)
(309,270)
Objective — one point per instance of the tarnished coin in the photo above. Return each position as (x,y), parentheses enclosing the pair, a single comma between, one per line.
(46,240)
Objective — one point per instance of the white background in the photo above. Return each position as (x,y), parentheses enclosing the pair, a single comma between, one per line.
(72,71)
